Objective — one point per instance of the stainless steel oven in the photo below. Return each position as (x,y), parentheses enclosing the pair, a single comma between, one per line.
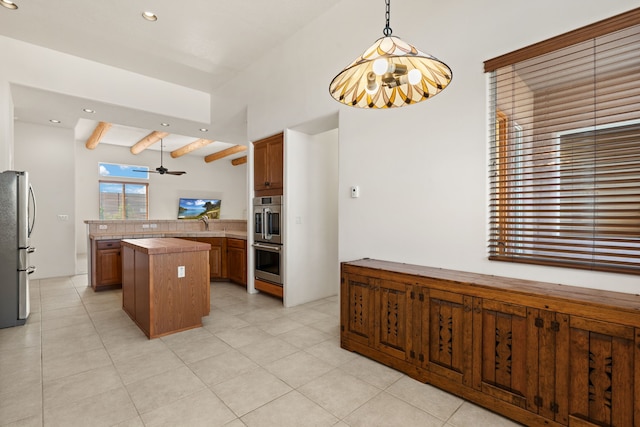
(267,219)
(268,260)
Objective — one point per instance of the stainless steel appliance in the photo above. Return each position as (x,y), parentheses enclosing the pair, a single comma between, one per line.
(267,219)
(268,260)
(17,218)
(267,226)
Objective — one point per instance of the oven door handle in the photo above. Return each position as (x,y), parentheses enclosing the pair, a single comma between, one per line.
(267,224)
(267,248)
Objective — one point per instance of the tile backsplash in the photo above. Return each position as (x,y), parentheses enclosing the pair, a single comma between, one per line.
(96,227)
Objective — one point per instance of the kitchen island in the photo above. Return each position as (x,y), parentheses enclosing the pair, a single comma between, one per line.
(165,284)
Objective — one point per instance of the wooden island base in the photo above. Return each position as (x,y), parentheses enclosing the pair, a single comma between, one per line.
(539,353)
(153,295)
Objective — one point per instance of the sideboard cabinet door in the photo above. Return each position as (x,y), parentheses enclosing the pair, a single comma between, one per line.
(357,312)
(393,317)
(450,335)
(603,357)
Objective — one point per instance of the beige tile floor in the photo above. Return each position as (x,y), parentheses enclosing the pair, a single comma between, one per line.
(80,361)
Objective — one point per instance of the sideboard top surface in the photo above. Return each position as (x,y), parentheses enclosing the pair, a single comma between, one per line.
(477,283)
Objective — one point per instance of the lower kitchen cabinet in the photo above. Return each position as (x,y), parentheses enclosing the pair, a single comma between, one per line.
(541,354)
(107,264)
(237,261)
(217,255)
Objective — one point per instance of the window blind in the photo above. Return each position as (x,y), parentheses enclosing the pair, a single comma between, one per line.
(565,150)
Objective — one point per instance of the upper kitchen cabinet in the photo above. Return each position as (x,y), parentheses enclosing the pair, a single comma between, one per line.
(268,166)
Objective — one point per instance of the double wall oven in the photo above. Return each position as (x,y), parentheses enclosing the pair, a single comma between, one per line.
(267,246)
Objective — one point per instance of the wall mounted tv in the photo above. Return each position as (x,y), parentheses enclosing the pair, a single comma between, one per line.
(197,208)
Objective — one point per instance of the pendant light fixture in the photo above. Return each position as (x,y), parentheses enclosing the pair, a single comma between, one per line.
(391,73)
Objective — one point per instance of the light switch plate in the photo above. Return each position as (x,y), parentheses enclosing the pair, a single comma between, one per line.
(181,271)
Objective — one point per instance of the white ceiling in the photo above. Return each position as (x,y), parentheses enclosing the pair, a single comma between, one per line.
(197,43)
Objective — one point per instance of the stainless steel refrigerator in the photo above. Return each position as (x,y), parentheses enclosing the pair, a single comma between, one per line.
(17,218)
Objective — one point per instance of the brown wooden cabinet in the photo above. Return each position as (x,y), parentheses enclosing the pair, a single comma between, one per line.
(237,261)
(268,165)
(165,284)
(217,255)
(542,354)
(107,263)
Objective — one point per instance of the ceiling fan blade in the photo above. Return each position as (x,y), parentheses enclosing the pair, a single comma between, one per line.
(175,172)
(142,171)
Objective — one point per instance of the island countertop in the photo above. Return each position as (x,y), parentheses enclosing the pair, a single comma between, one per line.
(165,245)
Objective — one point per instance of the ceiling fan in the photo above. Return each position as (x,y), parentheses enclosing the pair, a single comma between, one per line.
(161,169)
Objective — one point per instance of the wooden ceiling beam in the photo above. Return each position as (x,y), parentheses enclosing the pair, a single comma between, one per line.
(147,141)
(224,153)
(198,143)
(239,161)
(101,129)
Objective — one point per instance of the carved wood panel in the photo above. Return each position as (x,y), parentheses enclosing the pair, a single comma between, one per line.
(503,351)
(449,328)
(602,373)
(358,315)
(392,306)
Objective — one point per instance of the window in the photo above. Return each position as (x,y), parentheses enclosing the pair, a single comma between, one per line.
(565,150)
(123,200)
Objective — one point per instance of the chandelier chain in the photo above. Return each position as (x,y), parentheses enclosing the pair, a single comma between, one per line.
(387,29)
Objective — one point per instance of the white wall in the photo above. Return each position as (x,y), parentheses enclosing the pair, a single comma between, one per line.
(422,169)
(65,177)
(47,154)
(6,126)
(311,221)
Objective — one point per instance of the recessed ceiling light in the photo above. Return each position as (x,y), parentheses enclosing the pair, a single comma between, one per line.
(8,4)
(203,129)
(88,110)
(54,121)
(165,124)
(150,16)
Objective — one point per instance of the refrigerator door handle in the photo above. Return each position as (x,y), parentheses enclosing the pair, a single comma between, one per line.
(32,197)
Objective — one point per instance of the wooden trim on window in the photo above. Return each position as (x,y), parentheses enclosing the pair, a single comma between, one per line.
(606,26)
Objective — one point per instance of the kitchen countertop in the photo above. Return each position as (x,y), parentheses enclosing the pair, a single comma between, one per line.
(234,234)
(168,245)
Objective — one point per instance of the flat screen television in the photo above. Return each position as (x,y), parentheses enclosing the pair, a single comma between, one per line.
(197,208)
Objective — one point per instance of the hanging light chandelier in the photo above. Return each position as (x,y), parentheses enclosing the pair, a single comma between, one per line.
(391,73)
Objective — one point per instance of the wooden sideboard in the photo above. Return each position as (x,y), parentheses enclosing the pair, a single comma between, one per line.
(539,353)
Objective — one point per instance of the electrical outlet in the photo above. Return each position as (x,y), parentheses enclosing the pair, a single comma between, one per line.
(63,217)
(181,271)
(153,225)
(145,225)
(102,227)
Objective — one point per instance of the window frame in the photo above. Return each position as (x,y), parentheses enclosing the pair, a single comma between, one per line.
(123,183)
(506,187)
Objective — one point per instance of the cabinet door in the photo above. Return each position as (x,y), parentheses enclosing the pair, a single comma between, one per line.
(450,339)
(357,313)
(392,310)
(260,166)
(109,268)
(547,393)
(268,166)
(237,264)
(216,256)
(602,374)
(502,350)
(275,162)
